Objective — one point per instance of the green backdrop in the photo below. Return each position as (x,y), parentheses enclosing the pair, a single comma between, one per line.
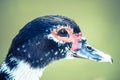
(99,21)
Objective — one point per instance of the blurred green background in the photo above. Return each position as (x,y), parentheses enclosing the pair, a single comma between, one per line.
(99,21)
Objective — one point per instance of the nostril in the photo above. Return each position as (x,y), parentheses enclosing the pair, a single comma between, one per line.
(88,47)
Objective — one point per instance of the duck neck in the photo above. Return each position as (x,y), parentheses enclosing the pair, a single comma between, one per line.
(22,71)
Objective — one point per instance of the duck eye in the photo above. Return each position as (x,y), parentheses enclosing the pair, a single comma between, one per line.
(63,33)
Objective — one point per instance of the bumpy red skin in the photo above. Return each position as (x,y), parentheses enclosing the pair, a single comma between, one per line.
(73,38)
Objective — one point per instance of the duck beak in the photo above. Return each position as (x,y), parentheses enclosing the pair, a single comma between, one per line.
(87,52)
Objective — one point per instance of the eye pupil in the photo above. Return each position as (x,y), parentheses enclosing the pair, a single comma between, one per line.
(63,33)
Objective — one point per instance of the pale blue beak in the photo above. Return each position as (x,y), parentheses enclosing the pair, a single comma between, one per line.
(88,52)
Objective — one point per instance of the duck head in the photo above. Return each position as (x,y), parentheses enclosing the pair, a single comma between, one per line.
(50,38)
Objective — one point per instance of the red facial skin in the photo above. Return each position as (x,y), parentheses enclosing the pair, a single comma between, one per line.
(73,38)
(76,38)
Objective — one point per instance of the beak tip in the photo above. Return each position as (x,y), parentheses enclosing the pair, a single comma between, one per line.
(111,60)
(108,59)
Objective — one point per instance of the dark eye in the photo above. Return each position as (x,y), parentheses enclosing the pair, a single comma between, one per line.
(63,33)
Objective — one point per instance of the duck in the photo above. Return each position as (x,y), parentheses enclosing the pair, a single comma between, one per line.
(44,40)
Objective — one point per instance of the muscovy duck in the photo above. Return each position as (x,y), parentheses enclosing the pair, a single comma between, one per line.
(42,41)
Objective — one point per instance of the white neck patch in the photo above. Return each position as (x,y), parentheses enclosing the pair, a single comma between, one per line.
(23,71)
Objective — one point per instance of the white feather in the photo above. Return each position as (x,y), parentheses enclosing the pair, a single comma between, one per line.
(23,71)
